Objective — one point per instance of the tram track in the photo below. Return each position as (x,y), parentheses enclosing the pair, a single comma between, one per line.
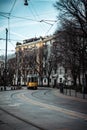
(12,114)
(72,113)
(46,91)
(30,99)
(22,119)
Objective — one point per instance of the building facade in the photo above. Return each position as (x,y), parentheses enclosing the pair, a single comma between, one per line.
(29,59)
(34,56)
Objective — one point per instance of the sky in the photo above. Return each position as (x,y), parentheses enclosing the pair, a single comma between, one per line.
(39,18)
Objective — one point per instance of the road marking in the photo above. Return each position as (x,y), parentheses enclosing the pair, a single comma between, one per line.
(51,107)
(15,104)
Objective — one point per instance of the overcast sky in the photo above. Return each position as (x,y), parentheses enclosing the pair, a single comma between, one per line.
(24,22)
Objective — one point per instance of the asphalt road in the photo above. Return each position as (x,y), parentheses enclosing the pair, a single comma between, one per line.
(41,109)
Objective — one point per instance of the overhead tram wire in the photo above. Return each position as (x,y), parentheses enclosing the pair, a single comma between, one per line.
(12,7)
(11,43)
(4,50)
(10,15)
(23,18)
(50,22)
(35,14)
(3,15)
(32,11)
(49,30)
(7,15)
(51,27)
(11,39)
(46,22)
(40,22)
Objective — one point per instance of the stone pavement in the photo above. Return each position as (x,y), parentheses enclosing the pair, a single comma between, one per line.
(75,94)
(7,122)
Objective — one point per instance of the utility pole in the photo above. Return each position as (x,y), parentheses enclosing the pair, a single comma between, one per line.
(5,70)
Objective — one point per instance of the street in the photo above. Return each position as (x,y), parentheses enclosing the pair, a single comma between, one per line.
(41,109)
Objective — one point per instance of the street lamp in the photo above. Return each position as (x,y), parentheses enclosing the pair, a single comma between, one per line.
(5,70)
(25,2)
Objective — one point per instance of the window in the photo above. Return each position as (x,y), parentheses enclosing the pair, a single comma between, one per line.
(44,80)
(60,80)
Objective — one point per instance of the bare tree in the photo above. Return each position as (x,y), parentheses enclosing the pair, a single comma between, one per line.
(74,9)
(73,14)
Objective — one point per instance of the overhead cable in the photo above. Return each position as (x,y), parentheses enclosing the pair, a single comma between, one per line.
(13,6)
(23,18)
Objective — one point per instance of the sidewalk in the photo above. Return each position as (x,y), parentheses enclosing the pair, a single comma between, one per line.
(9,88)
(73,94)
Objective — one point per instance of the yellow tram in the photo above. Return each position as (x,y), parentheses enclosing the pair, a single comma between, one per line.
(32,81)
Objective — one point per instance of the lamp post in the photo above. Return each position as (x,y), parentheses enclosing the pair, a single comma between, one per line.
(5,70)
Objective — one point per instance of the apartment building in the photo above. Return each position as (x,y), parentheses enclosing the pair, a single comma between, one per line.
(29,56)
(34,56)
